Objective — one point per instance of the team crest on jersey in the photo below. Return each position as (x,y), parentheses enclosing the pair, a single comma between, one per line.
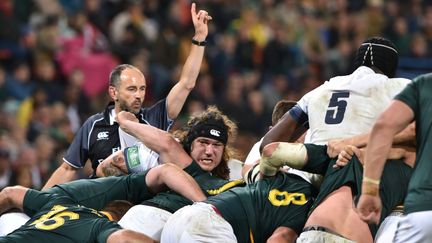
(215,133)
(102,136)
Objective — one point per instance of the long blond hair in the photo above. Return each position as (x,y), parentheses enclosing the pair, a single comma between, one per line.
(211,113)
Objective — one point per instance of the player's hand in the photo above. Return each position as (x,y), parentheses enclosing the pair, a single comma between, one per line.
(123,116)
(267,169)
(334,147)
(346,155)
(200,21)
(396,153)
(369,208)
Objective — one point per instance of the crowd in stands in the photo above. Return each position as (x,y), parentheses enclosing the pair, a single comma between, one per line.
(56,56)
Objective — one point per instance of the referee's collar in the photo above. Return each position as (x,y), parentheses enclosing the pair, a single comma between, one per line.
(112,116)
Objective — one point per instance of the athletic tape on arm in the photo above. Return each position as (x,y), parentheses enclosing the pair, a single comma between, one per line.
(292,154)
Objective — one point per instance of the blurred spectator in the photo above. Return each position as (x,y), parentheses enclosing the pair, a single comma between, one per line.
(5,164)
(134,17)
(10,34)
(427,26)
(26,108)
(339,59)
(204,90)
(47,37)
(375,18)
(258,114)
(47,79)
(86,50)
(26,168)
(418,46)
(77,104)
(233,103)
(222,59)
(41,121)
(275,90)
(97,14)
(45,146)
(4,93)
(399,35)
(281,55)
(19,85)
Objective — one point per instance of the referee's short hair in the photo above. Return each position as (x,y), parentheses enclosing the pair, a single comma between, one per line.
(378,52)
(114,78)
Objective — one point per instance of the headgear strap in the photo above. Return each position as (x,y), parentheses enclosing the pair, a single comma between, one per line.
(212,128)
(380,55)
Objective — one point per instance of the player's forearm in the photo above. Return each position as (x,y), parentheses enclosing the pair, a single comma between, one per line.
(192,65)
(5,201)
(181,182)
(379,145)
(12,197)
(359,141)
(406,137)
(151,136)
(392,121)
(179,93)
(61,175)
(276,155)
(286,130)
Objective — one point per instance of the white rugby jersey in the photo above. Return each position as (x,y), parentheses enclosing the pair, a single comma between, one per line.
(348,105)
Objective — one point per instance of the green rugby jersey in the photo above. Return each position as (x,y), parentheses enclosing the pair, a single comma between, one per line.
(69,212)
(393,186)
(62,220)
(256,210)
(418,96)
(210,184)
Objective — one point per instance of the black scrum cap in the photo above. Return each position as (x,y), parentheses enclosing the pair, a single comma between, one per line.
(211,128)
(380,53)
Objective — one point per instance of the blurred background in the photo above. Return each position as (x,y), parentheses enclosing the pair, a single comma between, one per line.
(56,55)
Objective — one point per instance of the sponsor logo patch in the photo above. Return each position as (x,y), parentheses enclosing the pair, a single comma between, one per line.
(215,133)
(103,136)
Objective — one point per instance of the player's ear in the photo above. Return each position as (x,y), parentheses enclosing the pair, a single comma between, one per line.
(112,91)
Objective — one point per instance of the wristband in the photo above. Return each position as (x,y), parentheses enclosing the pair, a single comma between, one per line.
(370,180)
(199,43)
(370,190)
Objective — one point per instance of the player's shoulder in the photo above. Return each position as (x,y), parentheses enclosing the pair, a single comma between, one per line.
(400,80)
(95,118)
(424,77)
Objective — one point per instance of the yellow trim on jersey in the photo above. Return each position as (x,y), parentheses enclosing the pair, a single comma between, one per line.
(226,186)
(251,236)
(110,217)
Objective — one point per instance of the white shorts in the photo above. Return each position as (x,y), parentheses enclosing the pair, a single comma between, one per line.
(317,236)
(145,219)
(197,223)
(414,227)
(387,229)
(12,221)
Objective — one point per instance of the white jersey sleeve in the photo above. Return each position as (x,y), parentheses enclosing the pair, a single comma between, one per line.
(139,158)
(254,153)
